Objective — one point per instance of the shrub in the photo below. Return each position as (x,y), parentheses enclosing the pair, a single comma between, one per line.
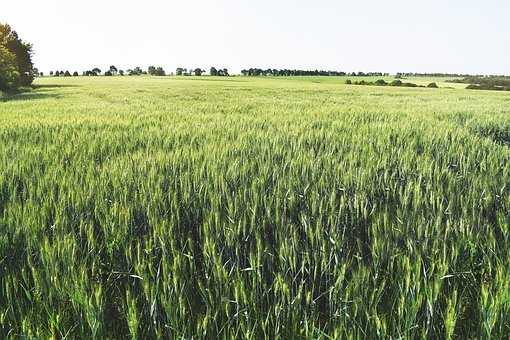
(396,83)
(75,74)
(348,82)
(432,86)
(381,82)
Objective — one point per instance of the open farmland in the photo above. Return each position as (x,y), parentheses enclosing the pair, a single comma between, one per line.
(174,207)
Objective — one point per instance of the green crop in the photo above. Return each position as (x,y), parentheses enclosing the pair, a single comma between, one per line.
(253,208)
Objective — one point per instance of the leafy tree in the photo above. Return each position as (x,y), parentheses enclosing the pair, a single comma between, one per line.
(198,72)
(152,70)
(113,70)
(223,73)
(9,75)
(75,74)
(108,73)
(67,74)
(160,71)
(213,71)
(121,72)
(16,66)
(96,70)
(179,71)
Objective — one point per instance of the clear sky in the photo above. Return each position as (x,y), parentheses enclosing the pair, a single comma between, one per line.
(465,36)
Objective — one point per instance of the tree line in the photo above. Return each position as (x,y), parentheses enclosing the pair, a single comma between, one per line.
(494,83)
(257,72)
(138,71)
(382,82)
(431,75)
(16,66)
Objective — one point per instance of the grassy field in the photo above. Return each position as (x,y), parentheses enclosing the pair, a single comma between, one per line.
(253,208)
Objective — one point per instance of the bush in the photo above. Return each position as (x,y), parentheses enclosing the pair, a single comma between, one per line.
(432,86)
(381,82)
(75,74)
(409,85)
(396,83)
(348,82)
(108,74)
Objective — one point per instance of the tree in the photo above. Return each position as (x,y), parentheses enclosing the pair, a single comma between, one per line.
(108,73)
(151,70)
(16,66)
(121,72)
(9,74)
(179,71)
(96,70)
(160,71)
(75,74)
(223,73)
(67,74)
(198,72)
(113,70)
(213,71)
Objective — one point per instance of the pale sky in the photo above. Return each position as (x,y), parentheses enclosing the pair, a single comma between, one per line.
(464,36)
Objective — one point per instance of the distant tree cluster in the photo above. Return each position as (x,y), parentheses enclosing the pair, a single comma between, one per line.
(113,71)
(63,74)
(493,83)
(16,66)
(382,82)
(219,72)
(180,71)
(401,75)
(156,71)
(256,72)
(137,71)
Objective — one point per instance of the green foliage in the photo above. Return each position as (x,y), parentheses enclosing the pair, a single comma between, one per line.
(156,71)
(9,75)
(250,208)
(11,45)
(432,86)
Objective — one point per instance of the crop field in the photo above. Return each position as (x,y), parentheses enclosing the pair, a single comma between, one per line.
(278,208)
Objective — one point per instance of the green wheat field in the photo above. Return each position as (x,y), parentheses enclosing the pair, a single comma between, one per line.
(253,208)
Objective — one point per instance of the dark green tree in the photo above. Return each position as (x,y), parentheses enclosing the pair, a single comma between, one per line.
(113,70)
(9,75)
(20,70)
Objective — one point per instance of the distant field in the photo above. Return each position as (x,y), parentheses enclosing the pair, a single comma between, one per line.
(254,208)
